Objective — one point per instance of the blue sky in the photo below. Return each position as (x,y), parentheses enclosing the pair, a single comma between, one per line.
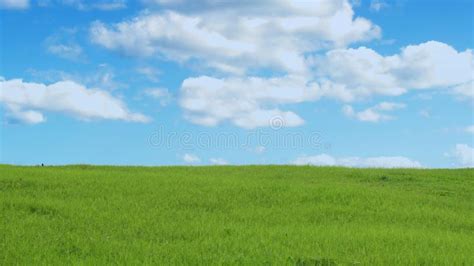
(356,83)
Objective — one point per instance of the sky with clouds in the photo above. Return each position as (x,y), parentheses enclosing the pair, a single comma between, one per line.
(358,83)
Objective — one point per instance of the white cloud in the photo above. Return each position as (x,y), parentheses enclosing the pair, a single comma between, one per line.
(218,35)
(377,162)
(377,5)
(103,76)
(72,52)
(352,74)
(465,90)
(84,5)
(26,101)
(279,35)
(14,4)
(161,94)
(470,129)
(245,102)
(374,113)
(356,3)
(464,155)
(109,5)
(150,73)
(278,7)
(16,114)
(191,158)
(218,161)
(63,44)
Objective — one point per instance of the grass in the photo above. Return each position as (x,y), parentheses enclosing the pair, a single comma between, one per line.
(245,215)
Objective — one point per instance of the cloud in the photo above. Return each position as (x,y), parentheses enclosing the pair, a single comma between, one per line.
(150,73)
(218,161)
(356,3)
(245,102)
(470,129)
(102,76)
(465,90)
(191,158)
(218,36)
(72,52)
(282,42)
(464,155)
(109,5)
(161,94)
(344,74)
(64,45)
(278,7)
(373,162)
(26,102)
(14,4)
(352,74)
(377,5)
(374,113)
(84,5)
(17,115)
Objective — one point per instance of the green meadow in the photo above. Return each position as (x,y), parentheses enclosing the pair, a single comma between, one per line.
(235,215)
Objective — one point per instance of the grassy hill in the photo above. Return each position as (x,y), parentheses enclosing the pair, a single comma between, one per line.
(252,215)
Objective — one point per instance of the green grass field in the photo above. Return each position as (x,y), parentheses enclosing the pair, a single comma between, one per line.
(247,215)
